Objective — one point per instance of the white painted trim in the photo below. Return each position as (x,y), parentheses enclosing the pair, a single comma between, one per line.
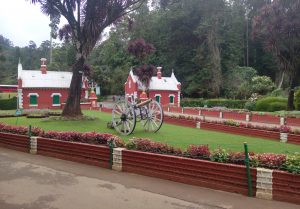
(56,105)
(33,105)
(33,94)
(172,95)
(54,94)
(157,95)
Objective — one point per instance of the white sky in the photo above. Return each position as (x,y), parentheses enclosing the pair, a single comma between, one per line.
(21,21)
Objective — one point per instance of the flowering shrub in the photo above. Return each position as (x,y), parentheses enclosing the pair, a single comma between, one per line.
(292,163)
(219,155)
(269,160)
(146,145)
(236,158)
(200,151)
(285,129)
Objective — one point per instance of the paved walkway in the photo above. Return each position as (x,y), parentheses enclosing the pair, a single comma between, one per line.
(38,182)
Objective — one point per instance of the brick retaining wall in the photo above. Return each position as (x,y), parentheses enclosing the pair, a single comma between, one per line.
(226,177)
(14,141)
(83,153)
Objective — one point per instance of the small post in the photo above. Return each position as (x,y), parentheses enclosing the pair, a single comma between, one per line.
(247,162)
(111,150)
(29,131)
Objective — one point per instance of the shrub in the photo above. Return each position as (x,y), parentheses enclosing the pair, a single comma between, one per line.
(249,105)
(229,103)
(200,151)
(262,84)
(189,102)
(292,163)
(277,106)
(269,160)
(270,104)
(279,93)
(219,155)
(8,104)
(236,158)
(146,145)
(297,99)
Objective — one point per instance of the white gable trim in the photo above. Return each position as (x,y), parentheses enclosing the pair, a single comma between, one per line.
(54,94)
(33,94)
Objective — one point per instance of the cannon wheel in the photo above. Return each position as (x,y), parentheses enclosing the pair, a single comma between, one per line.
(123,118)
(154,117)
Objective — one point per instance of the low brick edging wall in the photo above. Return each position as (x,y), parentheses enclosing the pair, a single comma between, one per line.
(266,184)
(286,187)
(14,141)
(273,135)
(84,153)
(226,177)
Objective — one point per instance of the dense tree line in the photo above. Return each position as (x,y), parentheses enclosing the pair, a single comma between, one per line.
(210,44)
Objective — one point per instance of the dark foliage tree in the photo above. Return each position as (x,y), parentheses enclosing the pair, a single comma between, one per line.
(141,50)
(278,25)
(87,19)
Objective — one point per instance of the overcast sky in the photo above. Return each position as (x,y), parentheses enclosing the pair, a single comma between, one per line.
(20,22)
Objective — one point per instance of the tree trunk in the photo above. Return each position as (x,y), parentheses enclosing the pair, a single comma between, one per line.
(72,107)
(290,105)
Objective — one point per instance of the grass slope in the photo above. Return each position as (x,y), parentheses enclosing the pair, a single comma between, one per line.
(174,135)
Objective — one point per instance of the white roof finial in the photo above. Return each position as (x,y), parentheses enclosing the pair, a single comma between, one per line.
(20,68)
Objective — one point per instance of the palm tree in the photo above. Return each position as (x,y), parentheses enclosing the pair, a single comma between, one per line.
(87,19)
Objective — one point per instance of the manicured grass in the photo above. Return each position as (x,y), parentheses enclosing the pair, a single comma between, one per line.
(174,135)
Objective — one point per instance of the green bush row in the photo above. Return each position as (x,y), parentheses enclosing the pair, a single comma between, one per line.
(8,104)
(229,103)
(271,104)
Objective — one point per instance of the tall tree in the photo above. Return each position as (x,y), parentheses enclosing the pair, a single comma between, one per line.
(278,25)
(87,19)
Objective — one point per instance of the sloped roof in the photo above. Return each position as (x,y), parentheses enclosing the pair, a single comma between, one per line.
(165,83)
(52,79)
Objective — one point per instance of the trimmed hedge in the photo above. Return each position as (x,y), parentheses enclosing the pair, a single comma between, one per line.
(228,103)
(271,104)
(8,104)
(192,102)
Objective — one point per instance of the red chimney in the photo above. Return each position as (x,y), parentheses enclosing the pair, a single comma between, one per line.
(159,72)
(43,65)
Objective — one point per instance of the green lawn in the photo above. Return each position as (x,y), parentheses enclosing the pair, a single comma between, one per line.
(173,135)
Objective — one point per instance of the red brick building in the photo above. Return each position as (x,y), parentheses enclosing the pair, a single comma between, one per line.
(165,90)
(42,89)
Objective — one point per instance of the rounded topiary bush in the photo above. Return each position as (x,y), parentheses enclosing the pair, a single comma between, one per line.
(271,104)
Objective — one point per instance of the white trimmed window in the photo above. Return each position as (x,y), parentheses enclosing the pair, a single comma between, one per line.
(56,99)
(33,99)
(157,97)
(171,98)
